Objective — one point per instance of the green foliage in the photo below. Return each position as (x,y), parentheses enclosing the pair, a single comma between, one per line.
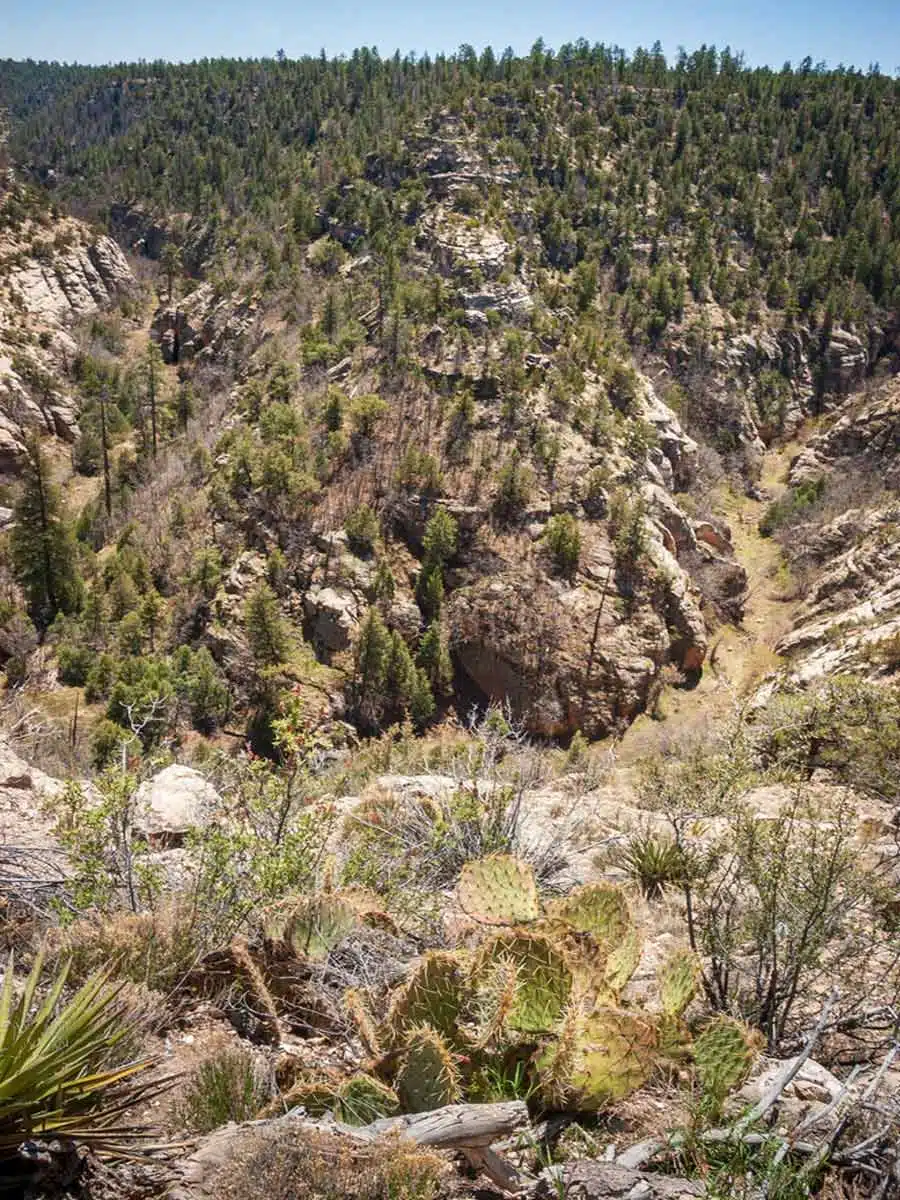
(362,1099)
(43,551)
(514,486)
(562,537)
(434,659)
(441,538)
(267,631)
(57,1076)
(363,528)
(109,862)
(654,863)
(233,1086)
(793,506)
(387,683)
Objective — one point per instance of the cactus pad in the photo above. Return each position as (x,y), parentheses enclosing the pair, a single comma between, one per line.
(311,925)
(543,978)
(357,1008)
(600,1059)
(723,1053)
(431,996)
(678,977)
(599,909)
(623,962)
(500,890)
(427,1077)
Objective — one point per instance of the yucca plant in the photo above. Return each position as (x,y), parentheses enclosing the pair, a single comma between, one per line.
(58,1076)
(654,863)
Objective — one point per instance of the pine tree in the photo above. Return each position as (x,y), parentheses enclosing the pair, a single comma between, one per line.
(43,549)
(434,659)
(267,632)
(371,658)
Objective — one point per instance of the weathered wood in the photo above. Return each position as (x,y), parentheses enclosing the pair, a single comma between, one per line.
(464,1127)
(501,1173)
(457,1125)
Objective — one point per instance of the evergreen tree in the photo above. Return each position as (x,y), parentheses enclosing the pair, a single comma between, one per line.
(43,549)
(434,659)
(267,632)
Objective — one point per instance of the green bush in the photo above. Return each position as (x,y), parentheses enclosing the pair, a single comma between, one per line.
(562,537)
(793,506)
(363,528)
(233,1086)
(75,663)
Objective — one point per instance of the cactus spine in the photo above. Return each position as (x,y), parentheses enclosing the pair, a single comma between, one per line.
(427,1077)
(723,1054)
(500,890)
(543,978)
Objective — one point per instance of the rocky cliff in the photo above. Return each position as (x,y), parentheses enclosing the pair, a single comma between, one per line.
(52,273)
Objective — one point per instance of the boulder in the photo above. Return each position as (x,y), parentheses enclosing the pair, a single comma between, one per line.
(333,617)
(174,801)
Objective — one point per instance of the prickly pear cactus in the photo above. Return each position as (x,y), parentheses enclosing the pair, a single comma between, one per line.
(362,1099)
(317,1095)
(623,962)
(543,978)
(493,999)
(678,978)
(500,890)
(427,1076)
(723,1054)
(599,909)
(357,1008)
(598,1059)
(311,925)
(433,996)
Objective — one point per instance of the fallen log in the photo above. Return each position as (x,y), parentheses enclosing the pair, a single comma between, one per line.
(467,1128)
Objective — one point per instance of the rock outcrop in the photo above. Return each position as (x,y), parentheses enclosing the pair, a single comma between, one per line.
(203,325)
(849,618)
(72,281)
(51,281)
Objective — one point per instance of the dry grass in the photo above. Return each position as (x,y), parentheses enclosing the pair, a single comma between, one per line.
(321,1166)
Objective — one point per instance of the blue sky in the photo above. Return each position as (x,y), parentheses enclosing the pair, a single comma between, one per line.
(855,32)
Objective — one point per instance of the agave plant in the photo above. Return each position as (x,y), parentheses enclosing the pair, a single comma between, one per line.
(57,1076)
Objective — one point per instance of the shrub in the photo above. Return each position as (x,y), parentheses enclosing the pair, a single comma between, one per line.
(654,863)
(562,537)
(362,527)
(233,1086)
(792,506)
(267,631)
(75,663)
(323,1166)
(514,484)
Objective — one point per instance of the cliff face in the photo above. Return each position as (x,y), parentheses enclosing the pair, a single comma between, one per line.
(51,274)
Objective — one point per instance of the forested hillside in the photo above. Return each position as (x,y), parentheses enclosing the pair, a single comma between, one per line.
(448,544)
